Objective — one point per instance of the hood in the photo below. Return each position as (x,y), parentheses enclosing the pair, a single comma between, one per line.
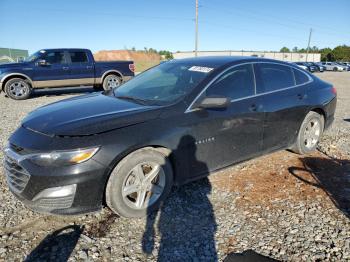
(87,115)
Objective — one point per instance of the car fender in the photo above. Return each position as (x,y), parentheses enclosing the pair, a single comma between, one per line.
(4,78)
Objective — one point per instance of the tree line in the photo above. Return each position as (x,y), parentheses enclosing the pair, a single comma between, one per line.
(167,54)
(339,53)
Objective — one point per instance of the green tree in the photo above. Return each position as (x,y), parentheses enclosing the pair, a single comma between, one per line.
(314,49)
(327,54)
(295,49)
(342,53)
(284,50)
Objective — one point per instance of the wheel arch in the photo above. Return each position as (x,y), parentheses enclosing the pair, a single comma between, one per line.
(110,72)
(8,77)
(321,112)
(162,149)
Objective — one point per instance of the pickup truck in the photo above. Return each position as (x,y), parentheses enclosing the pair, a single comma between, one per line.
(61,67)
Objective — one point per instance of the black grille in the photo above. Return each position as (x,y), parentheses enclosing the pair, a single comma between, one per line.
(17,177)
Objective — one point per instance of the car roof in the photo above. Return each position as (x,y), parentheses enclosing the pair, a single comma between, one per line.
(65,49)
(217,61)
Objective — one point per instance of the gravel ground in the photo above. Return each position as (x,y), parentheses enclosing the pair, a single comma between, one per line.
(282,206)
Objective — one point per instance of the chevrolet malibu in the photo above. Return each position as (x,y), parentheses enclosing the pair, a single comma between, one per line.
(172,124)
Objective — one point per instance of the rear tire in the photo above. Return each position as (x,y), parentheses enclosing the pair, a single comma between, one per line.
(310,133)
(18,89)
(139,184)
(111,81)
(335,69)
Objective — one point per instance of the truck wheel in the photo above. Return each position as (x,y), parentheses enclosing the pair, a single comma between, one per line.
(18,89)
(111,81)
(139,184)
(310,133)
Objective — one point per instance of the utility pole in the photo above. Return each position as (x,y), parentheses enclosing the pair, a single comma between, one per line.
(196,36)
(308,45)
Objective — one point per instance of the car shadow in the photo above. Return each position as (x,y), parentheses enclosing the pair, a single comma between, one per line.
(248,256)
(61,91)
(186,221)
(331,175)
(57,246)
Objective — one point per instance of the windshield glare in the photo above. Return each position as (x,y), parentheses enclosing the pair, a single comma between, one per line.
(164,83)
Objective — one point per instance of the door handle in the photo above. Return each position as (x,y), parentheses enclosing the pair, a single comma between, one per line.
(88,67)
(253,108)
(65,68)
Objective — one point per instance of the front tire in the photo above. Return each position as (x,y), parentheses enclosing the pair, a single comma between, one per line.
(139,184)
(310,133)
(111,81)
(18,89)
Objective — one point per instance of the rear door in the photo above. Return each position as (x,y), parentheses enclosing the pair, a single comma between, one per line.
(81,68)
(223,137)
(283,92)
(54,72)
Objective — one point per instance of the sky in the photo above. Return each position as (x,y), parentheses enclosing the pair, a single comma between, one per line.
(262,25)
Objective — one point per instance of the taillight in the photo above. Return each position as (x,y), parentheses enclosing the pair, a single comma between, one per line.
(333,90)
(132,68)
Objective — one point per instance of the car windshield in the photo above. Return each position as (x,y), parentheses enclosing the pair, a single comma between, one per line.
(34,56)
(163,84)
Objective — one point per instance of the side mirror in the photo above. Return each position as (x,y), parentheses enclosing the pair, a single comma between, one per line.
(42,62)
(214,102)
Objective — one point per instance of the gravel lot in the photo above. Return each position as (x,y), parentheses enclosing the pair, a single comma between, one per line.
(283,206)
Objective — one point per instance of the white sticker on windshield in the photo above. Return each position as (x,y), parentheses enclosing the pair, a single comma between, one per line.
(202,69)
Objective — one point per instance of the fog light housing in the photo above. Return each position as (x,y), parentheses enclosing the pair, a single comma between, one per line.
(56,192)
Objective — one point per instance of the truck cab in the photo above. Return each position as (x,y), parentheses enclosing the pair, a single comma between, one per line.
(49,68)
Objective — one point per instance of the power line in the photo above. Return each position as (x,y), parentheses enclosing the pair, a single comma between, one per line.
(272,20)
(249,30)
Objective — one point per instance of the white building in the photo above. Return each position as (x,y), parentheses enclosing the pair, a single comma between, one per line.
(290,56)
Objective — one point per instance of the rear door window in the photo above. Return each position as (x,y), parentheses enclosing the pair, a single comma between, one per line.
(300,77)
(78,57)
(273,77)
(236,83)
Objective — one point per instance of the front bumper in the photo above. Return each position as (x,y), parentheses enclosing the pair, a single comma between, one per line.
(32,185)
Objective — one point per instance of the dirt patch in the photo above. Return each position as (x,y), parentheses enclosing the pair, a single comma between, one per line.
(285,176)
(142,60)
(102,227)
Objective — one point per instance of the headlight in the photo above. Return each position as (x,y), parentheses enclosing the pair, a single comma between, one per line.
(63,158)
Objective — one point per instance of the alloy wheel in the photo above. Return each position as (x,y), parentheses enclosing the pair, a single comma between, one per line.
(113,82)
(19,89)
(143,185)
(312,133)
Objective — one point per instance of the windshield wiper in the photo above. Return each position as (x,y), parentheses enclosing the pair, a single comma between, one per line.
(134,99)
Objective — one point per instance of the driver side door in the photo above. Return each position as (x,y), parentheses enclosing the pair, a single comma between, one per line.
(54,73)
(226,136)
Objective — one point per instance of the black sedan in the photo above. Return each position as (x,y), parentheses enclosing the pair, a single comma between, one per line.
(172,124)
